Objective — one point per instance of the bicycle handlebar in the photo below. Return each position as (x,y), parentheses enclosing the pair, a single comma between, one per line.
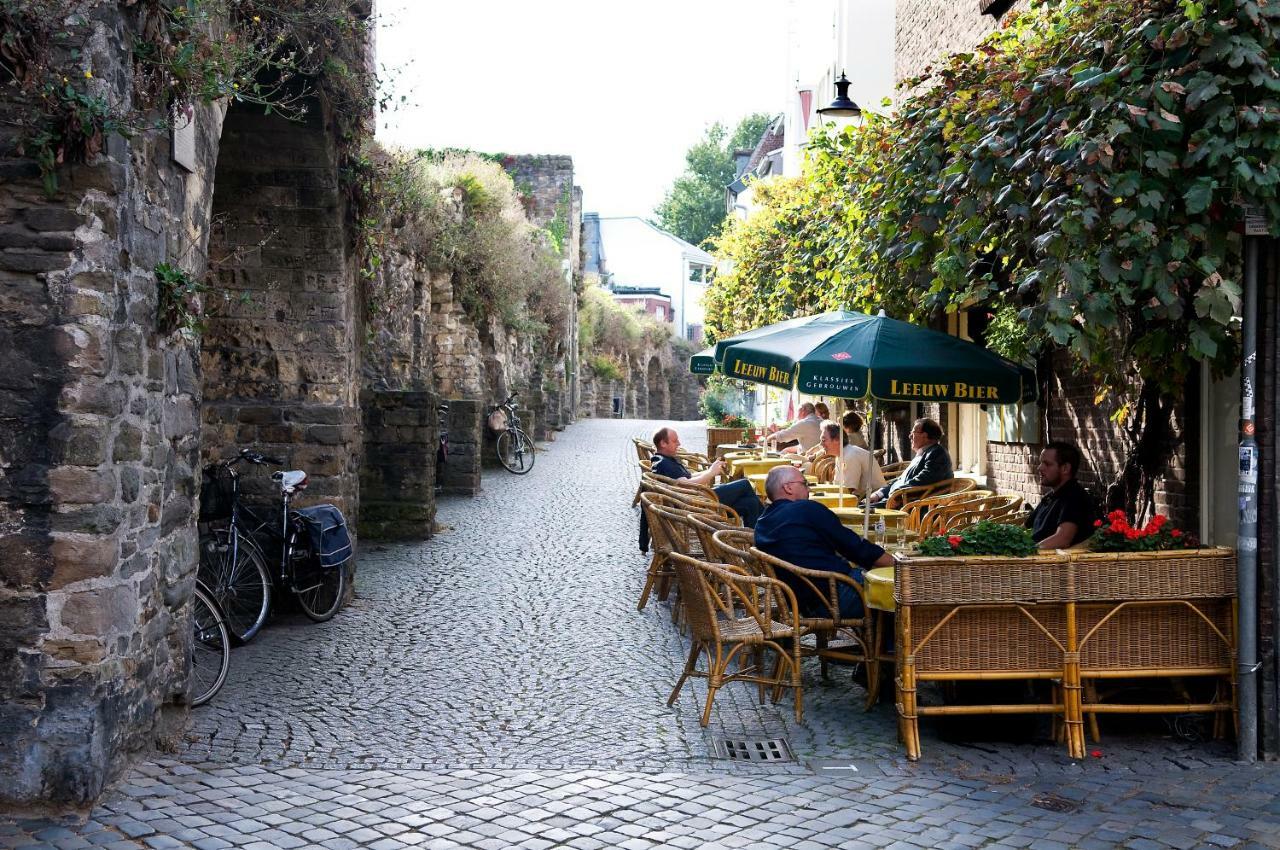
(258,458)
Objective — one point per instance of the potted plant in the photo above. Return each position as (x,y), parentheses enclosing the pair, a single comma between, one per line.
(1116,534)
(982,538)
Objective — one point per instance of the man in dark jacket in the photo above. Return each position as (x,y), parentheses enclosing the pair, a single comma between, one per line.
(809,535)
(930,465)
(1064,518)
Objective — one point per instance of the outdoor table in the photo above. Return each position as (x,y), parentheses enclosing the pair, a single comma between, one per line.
(750,466)
(851,514)
(878,583)
(833,500)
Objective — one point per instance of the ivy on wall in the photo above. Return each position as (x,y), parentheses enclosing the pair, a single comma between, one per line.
(1080,174)
(1080,167)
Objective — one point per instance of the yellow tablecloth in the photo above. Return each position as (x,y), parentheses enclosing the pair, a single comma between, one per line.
(853,515)
(879,586)
(750,466)
(832,500)
(757,481)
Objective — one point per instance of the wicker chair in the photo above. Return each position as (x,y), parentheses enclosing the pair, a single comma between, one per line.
(706,528)
(685,484)
(716,595)
(702,500)
(824,469)
(991,508)
(644,449)
(734,546)
(906,495)
(645,466)
(839,638)
(891,471)
(919,512)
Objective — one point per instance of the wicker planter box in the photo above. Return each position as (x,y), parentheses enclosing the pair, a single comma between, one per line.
(1074,618)
(717,437)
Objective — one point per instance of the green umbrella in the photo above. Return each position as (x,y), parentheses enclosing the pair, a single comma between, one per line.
(853,355)
(704,362)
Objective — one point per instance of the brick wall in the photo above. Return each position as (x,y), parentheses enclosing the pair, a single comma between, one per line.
(928,30)
(1071,412)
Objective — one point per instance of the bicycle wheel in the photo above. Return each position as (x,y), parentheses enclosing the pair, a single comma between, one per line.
(515,451)
(237,579)
(210,648)
(319,589)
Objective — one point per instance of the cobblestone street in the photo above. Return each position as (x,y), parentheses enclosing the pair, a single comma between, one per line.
(495,687)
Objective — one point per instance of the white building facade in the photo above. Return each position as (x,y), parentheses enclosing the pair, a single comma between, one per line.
(637,253)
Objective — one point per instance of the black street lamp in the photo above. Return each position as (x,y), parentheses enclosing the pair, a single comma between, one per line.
(842,110)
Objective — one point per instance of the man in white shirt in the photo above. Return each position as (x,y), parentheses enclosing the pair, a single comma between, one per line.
(806,431)
(858,469)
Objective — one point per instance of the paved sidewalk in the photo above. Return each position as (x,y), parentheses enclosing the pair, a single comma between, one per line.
(495,687)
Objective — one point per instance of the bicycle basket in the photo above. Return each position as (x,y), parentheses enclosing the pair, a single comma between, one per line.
(498,420)
(217,491)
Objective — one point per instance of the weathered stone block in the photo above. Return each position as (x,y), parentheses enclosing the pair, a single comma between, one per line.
(104,611)
(80,557)
(81,485)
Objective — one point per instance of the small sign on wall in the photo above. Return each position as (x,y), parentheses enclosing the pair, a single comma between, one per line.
(183,136)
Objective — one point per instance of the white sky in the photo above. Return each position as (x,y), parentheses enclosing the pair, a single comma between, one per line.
(623,88)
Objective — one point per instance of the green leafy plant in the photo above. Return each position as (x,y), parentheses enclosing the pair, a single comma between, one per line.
(180,302)
(604,367)
(1115,534)
(982,538)
(1082,166)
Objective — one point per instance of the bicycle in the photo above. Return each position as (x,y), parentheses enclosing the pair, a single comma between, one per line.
(516,451)
(232,561)
(210,646)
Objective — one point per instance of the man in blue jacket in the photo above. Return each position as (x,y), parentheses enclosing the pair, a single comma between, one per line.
(739,495)
(809,535)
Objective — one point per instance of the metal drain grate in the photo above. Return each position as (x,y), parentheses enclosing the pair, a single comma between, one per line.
(745,749)
(1053,803)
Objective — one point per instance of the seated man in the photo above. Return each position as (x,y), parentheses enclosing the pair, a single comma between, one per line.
(858,469)
(739,495)
(809,535)
(804,431)
(1064,518)
(930,465)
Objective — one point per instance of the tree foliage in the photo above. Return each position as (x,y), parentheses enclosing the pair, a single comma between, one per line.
(1079,168)
(693,207)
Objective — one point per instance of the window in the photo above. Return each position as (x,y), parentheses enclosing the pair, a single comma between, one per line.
(698,273)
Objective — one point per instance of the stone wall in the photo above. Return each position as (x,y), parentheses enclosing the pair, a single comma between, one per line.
(398,476)
(280,354)
(926,31)
(99,451)
(461,472)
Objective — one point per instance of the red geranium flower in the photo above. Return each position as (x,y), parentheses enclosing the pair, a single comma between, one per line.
(1177,532)
(955,540)
(1097,523)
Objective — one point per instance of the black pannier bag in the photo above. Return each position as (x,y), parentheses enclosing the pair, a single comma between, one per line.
(327,534)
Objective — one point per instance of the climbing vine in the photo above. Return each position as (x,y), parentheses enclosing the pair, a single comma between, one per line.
(1081,165)
(1079,172)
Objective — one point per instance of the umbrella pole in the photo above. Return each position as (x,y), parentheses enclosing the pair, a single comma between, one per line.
(866,500)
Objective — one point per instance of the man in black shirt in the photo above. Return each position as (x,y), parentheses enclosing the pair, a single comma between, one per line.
(1065,516)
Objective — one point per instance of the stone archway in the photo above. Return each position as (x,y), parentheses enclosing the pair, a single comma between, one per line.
(280,355)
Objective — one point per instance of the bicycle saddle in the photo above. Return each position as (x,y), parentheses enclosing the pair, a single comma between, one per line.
(295,479)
